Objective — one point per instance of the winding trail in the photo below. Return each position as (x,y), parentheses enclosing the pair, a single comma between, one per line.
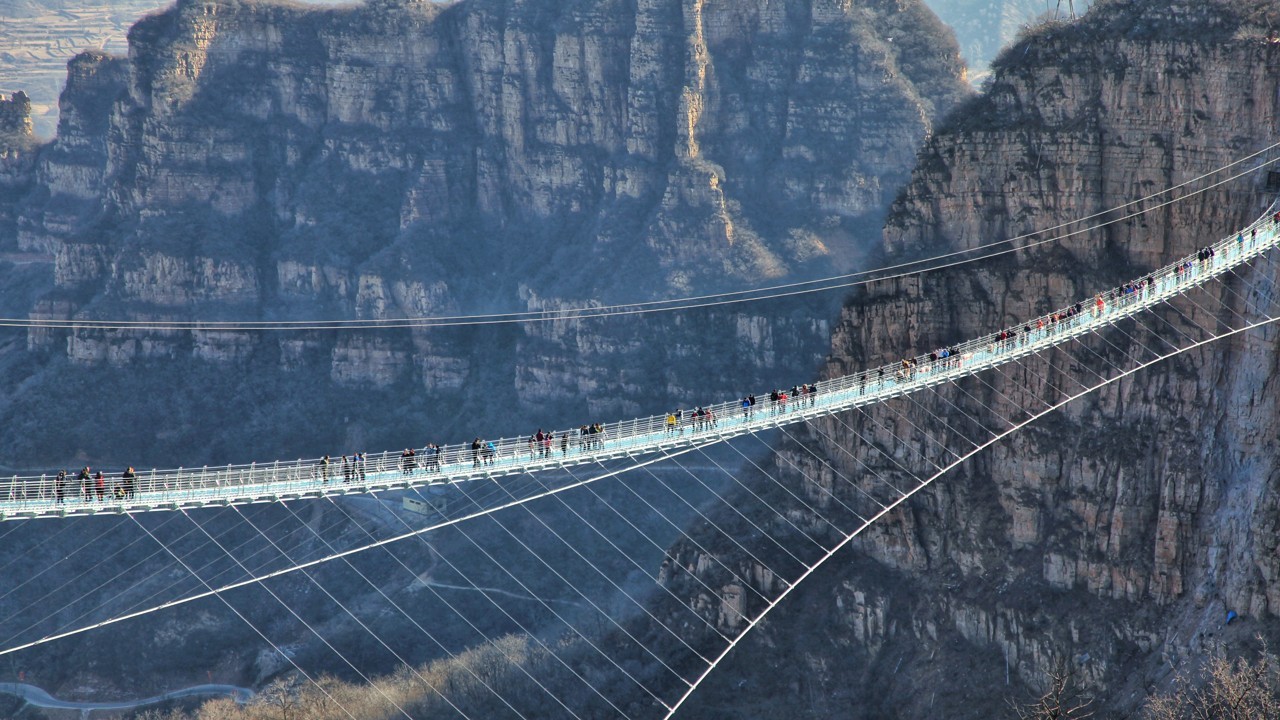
(38,697)
(495,591)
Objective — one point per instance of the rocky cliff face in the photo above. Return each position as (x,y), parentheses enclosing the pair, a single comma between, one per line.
(1115,536)
(15,120)
(16,143)
(403,159)
(400,159)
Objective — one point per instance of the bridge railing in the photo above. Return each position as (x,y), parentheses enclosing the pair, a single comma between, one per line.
(183,486)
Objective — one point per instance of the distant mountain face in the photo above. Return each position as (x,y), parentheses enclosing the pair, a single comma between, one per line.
(20,9)
(38,37)
(257,160)
(42,35)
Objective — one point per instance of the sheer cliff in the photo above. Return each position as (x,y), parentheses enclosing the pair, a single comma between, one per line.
(404,159)
(267,161)
(1114,537)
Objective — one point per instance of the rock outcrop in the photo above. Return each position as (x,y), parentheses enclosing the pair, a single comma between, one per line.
(266,161)
(1113,537)
(407,159)
(15,121)
(16,142)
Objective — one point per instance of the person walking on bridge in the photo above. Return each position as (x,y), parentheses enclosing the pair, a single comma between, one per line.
(100,486)
(60,486)
(128,480)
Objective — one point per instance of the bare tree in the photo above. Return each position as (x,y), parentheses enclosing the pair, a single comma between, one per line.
(219,709)
(320,699)
(154,714)
(283,697)
(1063,700)
(1228,690)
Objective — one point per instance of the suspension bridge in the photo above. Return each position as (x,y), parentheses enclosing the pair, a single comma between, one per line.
(47,496)
(515,469)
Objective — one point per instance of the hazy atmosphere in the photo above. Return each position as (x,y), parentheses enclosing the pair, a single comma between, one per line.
(639,359)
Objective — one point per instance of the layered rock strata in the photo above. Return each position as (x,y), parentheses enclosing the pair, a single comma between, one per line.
(264,161)
(403,159)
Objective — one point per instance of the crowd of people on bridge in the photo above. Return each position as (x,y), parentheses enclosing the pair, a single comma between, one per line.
(352,467)
(782,400)
(97,487)
(91,486)
(481,453)
(1052,323)
(544,444)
